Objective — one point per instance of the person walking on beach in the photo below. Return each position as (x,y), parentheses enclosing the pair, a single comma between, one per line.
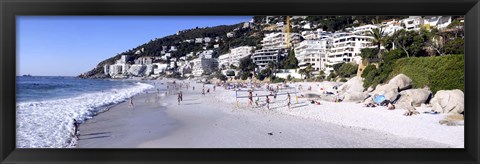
(214,88)
(208,90)
(193,88)
(268,103)
(75,128)
(250,98)
(130,102)
(288,98)
(179,98)
(257,99)
(275,96)
(203,91)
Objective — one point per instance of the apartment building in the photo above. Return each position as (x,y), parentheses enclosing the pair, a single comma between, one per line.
(364,30)
(264,56)
(278,40)
(345,47)
(412,23)
(204,65)
(224,60)
(312,52)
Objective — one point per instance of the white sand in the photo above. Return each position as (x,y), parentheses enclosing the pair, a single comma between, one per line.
(213,121)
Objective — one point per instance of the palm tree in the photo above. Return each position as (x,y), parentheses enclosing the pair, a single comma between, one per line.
(301,72)
(378,38)
(308,70)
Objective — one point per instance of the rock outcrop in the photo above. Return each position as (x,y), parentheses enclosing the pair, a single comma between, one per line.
(414,97)
(448,101)
(402,81)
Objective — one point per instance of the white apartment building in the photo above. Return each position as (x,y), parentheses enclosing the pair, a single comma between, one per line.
(312,52)
(118,69)
(391,26)
(264,56)
(345,47)
(230,34)
(439,22)
(412,22)
(278,40)
(204,64)
(238,53)
(233,58)
(364,30)
(224,60)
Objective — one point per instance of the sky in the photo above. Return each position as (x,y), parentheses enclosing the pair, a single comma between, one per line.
(72,45)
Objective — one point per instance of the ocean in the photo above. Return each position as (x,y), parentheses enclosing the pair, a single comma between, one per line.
(47,105)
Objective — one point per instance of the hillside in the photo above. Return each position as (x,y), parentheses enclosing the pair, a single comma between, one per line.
(154,48)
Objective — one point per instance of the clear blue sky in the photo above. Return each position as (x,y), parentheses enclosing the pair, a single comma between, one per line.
(71,45)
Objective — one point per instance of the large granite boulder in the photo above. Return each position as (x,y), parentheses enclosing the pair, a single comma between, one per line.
(448,101)
(355,96)
(353,85)
(415,97)
(402,81)
(390,91)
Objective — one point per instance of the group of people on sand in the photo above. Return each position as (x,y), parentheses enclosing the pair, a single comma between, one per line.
(267,99)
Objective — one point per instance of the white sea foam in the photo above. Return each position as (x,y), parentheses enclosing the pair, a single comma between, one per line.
(49,124)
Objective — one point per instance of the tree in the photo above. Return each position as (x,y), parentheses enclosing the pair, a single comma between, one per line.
(308,70)
(368,53)
(408,41)
(233,66)
(378,38)
(291,62)
(455,46)
(301,72)
(347,69)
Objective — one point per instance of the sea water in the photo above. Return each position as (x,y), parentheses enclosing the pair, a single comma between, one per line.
(46,106)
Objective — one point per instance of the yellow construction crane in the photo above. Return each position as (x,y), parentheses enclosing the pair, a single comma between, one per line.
(288,32)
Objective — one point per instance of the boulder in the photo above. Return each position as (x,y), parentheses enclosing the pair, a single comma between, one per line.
(353,85)
(448,101)
(390,91)
(355,96)
(402,81)
(415,97)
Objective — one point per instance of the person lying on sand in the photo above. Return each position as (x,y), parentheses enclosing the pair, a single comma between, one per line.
(390,106)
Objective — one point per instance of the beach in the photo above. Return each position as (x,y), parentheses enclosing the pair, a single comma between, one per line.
(214,121)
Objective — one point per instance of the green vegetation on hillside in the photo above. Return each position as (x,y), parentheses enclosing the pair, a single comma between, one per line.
(438,73)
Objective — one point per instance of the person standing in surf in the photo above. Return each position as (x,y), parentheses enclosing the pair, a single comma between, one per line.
(75,128)
(130,102)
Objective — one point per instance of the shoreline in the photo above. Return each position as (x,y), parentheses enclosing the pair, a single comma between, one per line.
(201,122)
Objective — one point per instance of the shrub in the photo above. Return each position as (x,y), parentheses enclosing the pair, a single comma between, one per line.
(455,46)
(438,73)
(331,76)
(343,80)
(277,80)
(347,69)
(369,68)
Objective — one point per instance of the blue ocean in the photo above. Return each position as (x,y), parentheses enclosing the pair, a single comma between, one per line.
(47,105)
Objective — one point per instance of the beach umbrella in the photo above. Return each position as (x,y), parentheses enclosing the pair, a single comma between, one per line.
(378,99)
